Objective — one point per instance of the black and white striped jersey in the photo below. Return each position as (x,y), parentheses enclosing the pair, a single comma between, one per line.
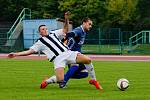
(51,45)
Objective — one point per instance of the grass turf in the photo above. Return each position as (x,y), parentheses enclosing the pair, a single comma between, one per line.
(20,80)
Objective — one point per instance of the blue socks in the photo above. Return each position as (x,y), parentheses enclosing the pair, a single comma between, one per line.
(70,72)
(75,72)
(80,75)
(62,84)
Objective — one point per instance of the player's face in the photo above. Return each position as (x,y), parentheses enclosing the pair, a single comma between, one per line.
(87,25)
(43,31)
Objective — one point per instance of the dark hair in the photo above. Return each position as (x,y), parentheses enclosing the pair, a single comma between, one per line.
(40,27)
(85,19)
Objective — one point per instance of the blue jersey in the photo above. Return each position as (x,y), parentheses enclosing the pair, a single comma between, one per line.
(75,43)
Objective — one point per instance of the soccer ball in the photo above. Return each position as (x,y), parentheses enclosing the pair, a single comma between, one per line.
(122,84)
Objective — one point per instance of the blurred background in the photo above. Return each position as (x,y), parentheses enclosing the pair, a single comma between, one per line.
(120,26)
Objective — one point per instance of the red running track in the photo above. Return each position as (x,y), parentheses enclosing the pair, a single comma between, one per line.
(93,57)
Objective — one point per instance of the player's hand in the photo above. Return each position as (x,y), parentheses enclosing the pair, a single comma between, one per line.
(12,55)
(67,14)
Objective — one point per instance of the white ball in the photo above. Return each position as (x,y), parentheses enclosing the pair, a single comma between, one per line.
(122,84)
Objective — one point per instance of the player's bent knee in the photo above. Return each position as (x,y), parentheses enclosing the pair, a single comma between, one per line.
(83,59)
(88,61)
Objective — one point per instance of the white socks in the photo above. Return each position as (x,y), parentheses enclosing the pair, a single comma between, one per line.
(89,68)
(91,71)
(51,80)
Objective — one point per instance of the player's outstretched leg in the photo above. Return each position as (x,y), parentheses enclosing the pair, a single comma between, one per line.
(53,79)
(96,84)
(89,66)
(48,81)
(93,80)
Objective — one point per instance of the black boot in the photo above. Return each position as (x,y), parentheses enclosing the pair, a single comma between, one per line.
(62,84)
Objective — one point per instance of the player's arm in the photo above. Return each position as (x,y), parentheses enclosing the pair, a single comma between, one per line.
(66,23)
(69,35)
(61,33)
(23,53)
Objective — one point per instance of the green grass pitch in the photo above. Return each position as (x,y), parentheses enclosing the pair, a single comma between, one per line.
(20,80)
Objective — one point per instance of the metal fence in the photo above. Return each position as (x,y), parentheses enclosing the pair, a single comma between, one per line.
(106,41)
(98,41)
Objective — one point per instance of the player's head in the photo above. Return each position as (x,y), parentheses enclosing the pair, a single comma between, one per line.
(87,24)
(43,30)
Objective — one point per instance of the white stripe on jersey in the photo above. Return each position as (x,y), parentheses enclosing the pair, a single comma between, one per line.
(59,41)
(55,43)
(52,44)
(59,33)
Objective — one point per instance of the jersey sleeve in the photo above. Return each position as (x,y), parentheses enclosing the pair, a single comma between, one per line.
(77,32)
(59,33)
(70,43)
(37,46)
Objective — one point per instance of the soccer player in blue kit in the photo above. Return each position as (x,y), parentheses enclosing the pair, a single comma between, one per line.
(75,40)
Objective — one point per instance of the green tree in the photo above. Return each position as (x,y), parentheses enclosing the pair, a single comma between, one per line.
(83,8)
(143,21)
(121,11)
(10,9)
(107,13)
(46,9)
